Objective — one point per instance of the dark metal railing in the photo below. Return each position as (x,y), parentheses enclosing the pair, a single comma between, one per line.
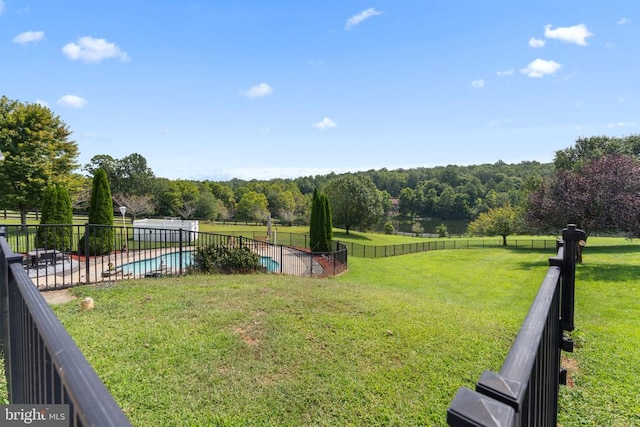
(525,391)
(42,363)
(371,251)
(59,256)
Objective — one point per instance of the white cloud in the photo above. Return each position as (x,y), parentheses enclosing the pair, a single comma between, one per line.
(263,89)
(41,102)
(500,122)
(622,124)
(505,73)
(536,43)
(326,123)
(1,6)
(72,101)
(478,83)
(577,34)
(540,67)
(357,19)
(89,49)
(624,21)
(29,37)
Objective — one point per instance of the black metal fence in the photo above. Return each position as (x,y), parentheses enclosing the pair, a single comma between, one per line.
(370,251)
(60,256)
(376,251)
(525,391)
(42,363)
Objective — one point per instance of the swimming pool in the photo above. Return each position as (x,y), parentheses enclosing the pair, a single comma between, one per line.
(171,261)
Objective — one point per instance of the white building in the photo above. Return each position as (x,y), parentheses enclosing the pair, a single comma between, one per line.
(164,230)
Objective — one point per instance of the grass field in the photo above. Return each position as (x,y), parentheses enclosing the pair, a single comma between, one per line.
(388,343)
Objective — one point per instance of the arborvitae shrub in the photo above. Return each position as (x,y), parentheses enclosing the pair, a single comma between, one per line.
(56,209)
(100,230)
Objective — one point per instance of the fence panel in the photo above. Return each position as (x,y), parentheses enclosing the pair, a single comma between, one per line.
(525,390)
(42,363)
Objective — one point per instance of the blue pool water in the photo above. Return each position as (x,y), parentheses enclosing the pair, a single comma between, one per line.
(172,261)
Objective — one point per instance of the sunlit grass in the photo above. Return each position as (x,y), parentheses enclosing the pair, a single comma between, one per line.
(388,343)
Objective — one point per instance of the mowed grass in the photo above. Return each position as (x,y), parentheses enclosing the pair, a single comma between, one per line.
(388,343)
(607,358)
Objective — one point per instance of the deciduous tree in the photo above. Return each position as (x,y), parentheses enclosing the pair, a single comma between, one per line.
(127,176)
(355,202)
(37,153)
(253,206)
(495,222)
(592,148)
(603,196)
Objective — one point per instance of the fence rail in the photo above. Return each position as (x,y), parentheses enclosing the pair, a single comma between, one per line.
(525,390)
(42,363)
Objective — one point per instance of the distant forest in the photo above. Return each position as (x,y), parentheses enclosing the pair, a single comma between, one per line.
(443,192)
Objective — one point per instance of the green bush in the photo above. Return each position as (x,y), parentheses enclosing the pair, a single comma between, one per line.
(220,259)
(389,228)
(442,230)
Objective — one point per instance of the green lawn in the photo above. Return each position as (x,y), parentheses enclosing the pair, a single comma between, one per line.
(388,343)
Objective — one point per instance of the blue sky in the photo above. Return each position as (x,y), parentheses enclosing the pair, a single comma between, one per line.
(263,89)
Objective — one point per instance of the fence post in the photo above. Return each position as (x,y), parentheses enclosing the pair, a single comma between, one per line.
(87,272)
(4,295)
(470,408)
(571,236)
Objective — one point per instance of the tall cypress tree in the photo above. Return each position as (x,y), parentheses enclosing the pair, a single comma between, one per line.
(56,209)
(64,210)
(315,223)
(100,228)
(320,227)
(327,235)
(47,216)
(64,206)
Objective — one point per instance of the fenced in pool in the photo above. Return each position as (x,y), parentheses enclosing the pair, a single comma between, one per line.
(172,262)
(78,260)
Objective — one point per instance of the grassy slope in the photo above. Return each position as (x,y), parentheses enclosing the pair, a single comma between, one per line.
(388,343)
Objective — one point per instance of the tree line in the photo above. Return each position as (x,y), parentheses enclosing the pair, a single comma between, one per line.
(591,183)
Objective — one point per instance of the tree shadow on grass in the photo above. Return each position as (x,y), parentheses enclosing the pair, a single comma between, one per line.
(337,235)
(610,272)
(586,272)
(621,249)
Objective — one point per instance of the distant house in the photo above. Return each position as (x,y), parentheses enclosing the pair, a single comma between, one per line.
(395,207)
